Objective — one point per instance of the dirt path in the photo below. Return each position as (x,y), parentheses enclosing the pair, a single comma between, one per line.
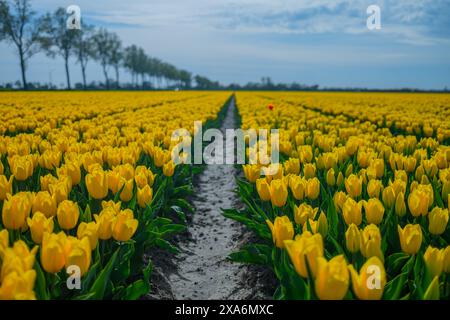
(203,269)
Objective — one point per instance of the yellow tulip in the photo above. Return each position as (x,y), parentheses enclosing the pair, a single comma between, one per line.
(297,185)
(78,253)
(331,179)
(127,189)
(339,199)
(16,210)
(90,231)
(4,241)
(169,169)
(410,238)
(43,202)
(353,238)
(388,196)
(352,212)
(374,188)
(252,172)
(97,184)
(59,191)
(322,226)
(113,205)
(434,260)
(68,214)
(263,189)
(304,212)
(52,252)
(309,171)
(5,186)
(313,188)
(400,205)
(124,225)
(144,196)
(282,229)
(39,224)
(374,211)
(305,247)
(22,168)
(332,278)
(292,166)
(369,283)
(353,185)
(340,179)
(418,202)
(370,245)
(104,222)
(278,193)
(446,260)
(18,286)
(438,221)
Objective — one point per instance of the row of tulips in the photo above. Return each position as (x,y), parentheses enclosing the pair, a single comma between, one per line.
(354,211)
(86,192)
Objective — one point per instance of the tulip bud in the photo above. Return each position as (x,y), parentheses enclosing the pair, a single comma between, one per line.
(349,170)
(127,189)
(434,260)
(353,185)
(88,230)
(369,283)
(97,184)
(16,210)
(169,169)
(124,225)
(305,247)
(313,188)
(353,238)
(331,180)
(5,186)
(438,220)
(339,199)
(340,179)
(144,196)
(52,252)
(278,193)
(371,242)
(445,191)
(374,211)
(282,229)
(410,238)
(332,278)
(322,227)
(298,186)
(39,224)
(388,196)
(68,214)
(352,212)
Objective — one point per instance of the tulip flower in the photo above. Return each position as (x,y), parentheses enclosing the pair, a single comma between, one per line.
(352,212)
(446,260)
(434,260)
(22,168)
(374,211)
(438,221)
(400,205)
(322,226)
(68,214)
(332,279)
(43,202)
(353,238)
(278,193)
(124,225)
(410,238)
(59,191)
(309,171)
(89,230)
(169,169)
(305,247)
(52,252)
(298,187)
(331,179)
(251,172)
(39,224)
(104,223)
(418,202)
(353,185)
(282,229)
(292,166)
(340,179)
(370,245)
(374,188)
(5,186)
(113,205)
(18,286)
(97,184)
(127,189)
(304,212)
(16,210)
(369,283)
(144,196)
(313,188)
(78,253)
(339,200)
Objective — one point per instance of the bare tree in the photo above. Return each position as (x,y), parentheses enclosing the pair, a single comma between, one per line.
(115,54)
(83,49)
(57,39)
(19,27)
(102,48)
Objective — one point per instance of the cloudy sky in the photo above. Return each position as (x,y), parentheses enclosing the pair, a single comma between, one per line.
(323,42)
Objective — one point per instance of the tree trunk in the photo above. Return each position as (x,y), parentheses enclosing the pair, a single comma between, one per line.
(66,62)
(106,76)
(23,67)
(117,76)
(83,72)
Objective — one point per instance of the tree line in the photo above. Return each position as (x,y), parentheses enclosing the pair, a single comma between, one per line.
(29,34)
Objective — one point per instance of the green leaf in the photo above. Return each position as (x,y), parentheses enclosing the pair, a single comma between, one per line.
(40,286)
(394,287)
(99,287)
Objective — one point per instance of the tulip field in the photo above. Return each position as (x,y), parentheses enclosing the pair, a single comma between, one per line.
(358,207)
